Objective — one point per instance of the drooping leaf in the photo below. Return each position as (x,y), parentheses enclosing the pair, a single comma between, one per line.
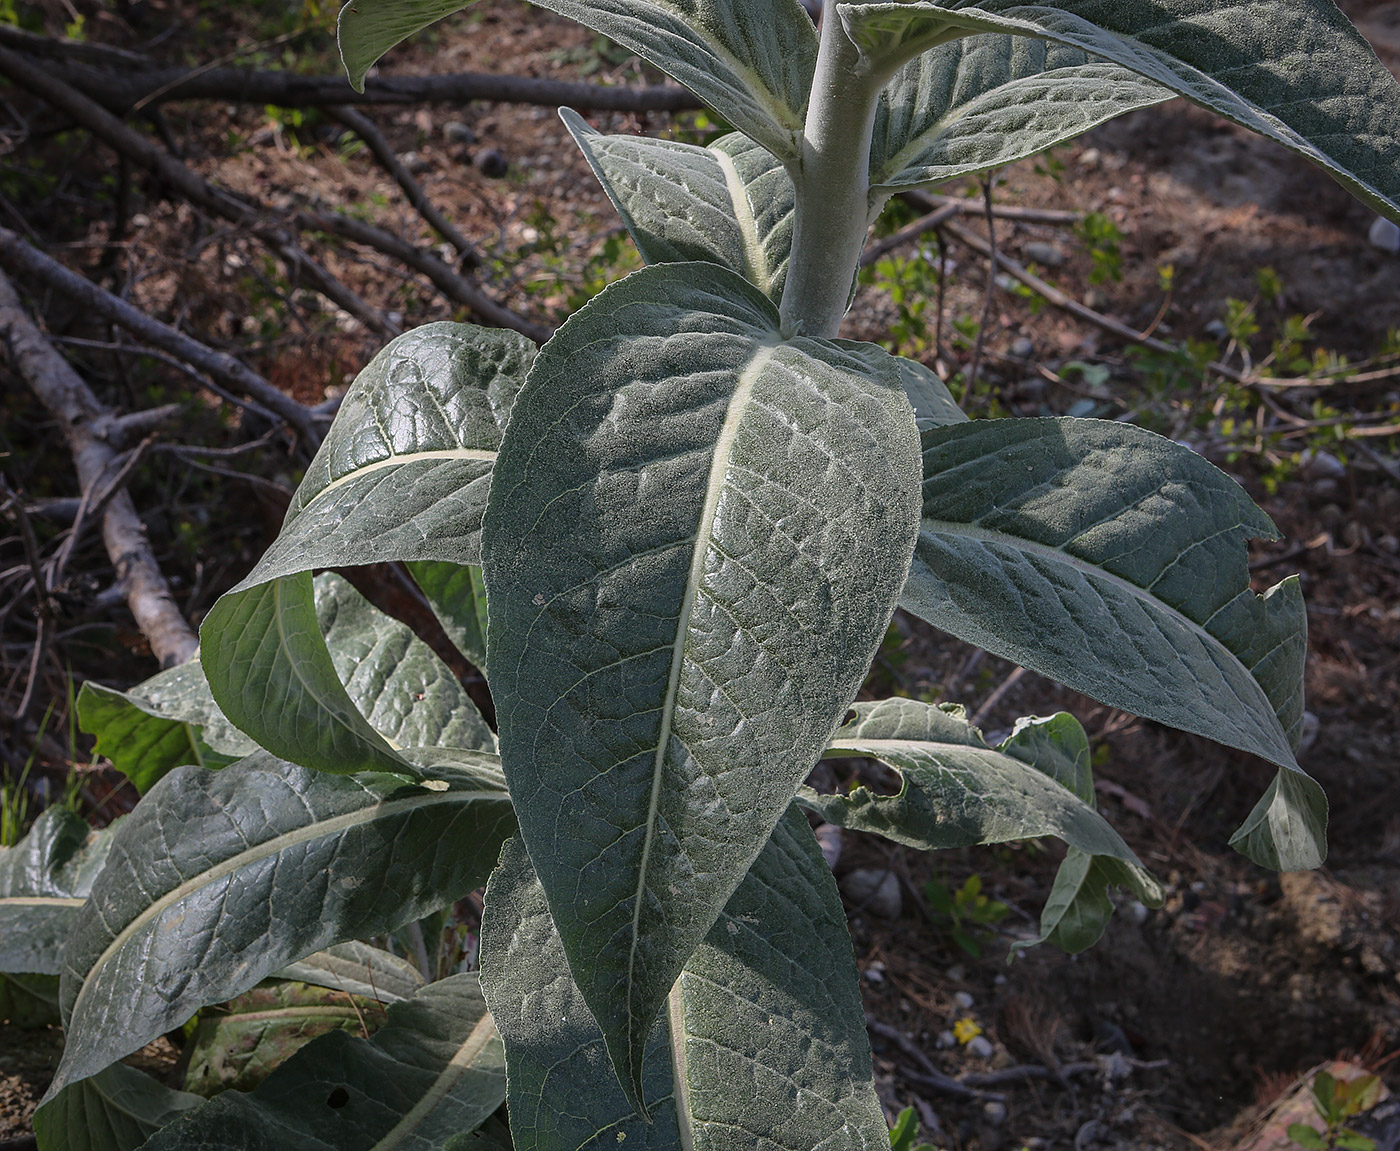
(271,672)
(1296,71)
(44,880)
(730,204)
(457,595)
(236,1045)
(979,102)
(168,721)
(1287,830)
(751,62)
(117,1109)
(431,1077)
(394,679)
(369,28)
(216,880)
(403,475)
(1114,560)
(958,790)
(688,571)
(357,969)
(1078,909)
(763,1044)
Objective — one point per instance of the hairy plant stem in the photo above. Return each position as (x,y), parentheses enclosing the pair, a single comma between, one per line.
(832,176)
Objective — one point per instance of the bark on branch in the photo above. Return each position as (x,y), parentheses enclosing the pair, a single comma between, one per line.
(82,417)
(20,257)
(259,218)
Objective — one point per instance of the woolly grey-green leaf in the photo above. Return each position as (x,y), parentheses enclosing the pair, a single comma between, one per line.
(117,1109)
(1113,560)
(730,204)
(433,1073)
(168,721)
(457,595)
(763,1043)
(983,101)
(403,475)
(693,546)
(44,881)
(394,679)
(1296,71)
(958,790)
(218,879)
(367,29)
(751,62)
(357,969)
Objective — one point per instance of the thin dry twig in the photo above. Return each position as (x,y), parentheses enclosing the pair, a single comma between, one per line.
(910,232)
(81,416)
(380,148)
(21,257)
(976,363)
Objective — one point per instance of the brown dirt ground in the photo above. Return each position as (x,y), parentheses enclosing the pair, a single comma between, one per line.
(1244,978)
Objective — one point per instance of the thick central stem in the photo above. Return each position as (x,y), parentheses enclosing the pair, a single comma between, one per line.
(833,186)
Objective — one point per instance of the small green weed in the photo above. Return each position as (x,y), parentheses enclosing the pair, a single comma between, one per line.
(1336,1101)
(966,913)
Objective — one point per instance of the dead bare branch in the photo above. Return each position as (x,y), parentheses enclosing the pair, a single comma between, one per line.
(368,131)
(21,257)
(62,391)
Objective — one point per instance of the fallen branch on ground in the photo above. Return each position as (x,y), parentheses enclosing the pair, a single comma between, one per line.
(21,257)
(368,131)
(199,191)
(81,416)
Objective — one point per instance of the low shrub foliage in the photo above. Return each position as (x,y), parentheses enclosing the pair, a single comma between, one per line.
(692,514)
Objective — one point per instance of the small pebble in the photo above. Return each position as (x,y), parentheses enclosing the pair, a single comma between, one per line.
(1048,255)
(492,164)
(946,1041)
(415,162)
(1136,913)
(829,840)
(994,1113)
(1023,348)
(1322,466)
(963,1000)
(456,132)
(957,973)
(1384,235)
(875,973)
(980,1047)
(874,891)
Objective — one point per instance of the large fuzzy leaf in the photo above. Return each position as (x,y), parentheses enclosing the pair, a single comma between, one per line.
(763,1044)
(166,722)
(116,1110)
(403,475)
(433,1073)
(731,203)
(357,969)
(457,595)
(394,679)
(367,29)
(1114,560)
(752,62)
(957,790)
(44,880)
(983,101)
(694,543)
(1295,71)
(218,879)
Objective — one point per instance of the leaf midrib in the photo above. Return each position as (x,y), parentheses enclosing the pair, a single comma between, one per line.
(397,460)
(1093,572)
(457,1066)
(333,826)
(40,901)
(755,265)
(714,487)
